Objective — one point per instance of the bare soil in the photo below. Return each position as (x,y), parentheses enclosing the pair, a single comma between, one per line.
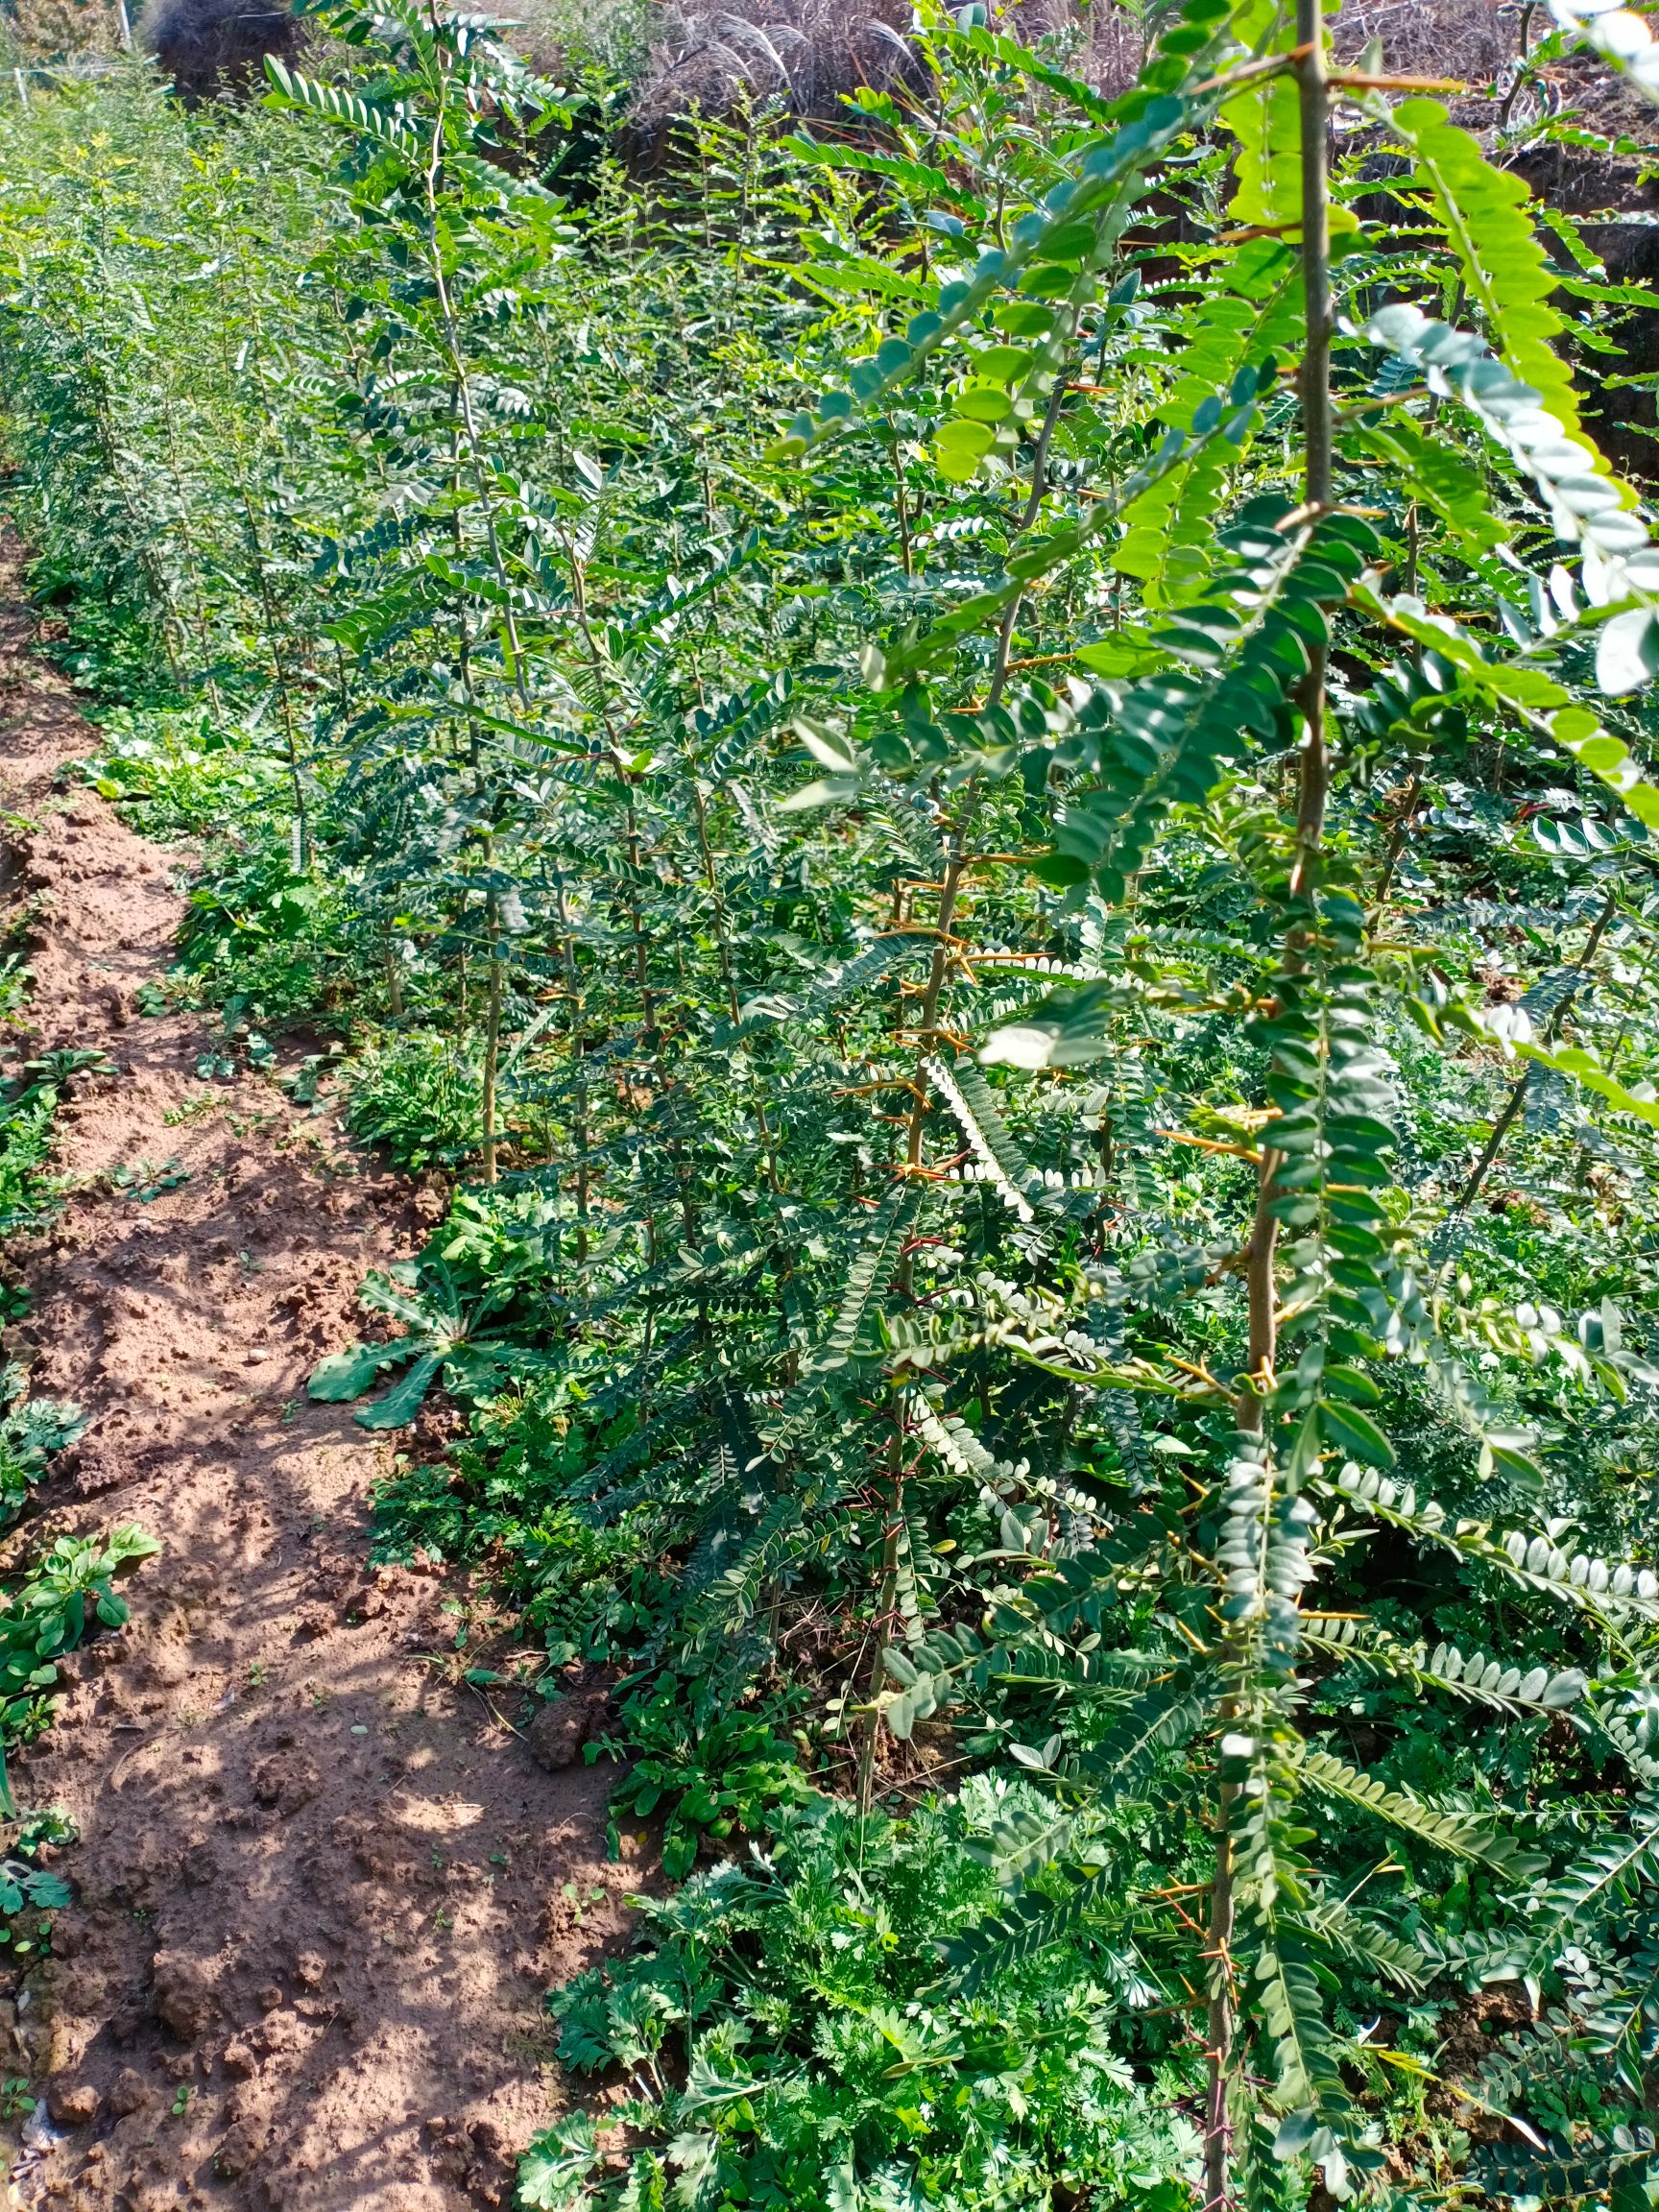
(323,1884)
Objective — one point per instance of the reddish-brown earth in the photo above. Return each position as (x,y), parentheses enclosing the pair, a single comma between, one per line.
(322,1885)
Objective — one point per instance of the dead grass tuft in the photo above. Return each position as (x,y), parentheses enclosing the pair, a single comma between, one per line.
(1471,40)
(713,56)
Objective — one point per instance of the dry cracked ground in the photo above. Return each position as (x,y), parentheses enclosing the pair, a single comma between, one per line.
(322,1884)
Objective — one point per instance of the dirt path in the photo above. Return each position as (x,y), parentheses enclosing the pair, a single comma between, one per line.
(312,1929)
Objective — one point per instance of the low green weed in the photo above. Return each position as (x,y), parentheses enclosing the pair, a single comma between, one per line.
(259,929)
(788,2040)
(516,1490)
(732,1775)
(578,1903)
(113,652)
(191,1109)
(68,1588)
(71,1587)
(420,1095)
(138,1180)
(30,1892)
(28,1110)
(17,981)
(26,1193)
(306,1084)
(262,932)
(503,1236)
(507,1494)
(470,1308)
(463,1339)
(268,936)
(180,773)
(31,1432)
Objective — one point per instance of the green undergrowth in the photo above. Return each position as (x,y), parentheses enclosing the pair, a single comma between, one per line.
(31,1090)
(261,941)
(782,2024)
(65,1595)
(177,772)
(419,1096)
(31,1892)
(30,1193)
(269,941)
(32,1431)
(1028,958)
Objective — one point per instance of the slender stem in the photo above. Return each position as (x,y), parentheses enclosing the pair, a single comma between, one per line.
(1397,842)
(906,552)
(957,861)
(954,868)
(1317,426)
(1312,795)
(270,604)
(1261,1296)
(1033,506)
(1523,68)
(1218,2020)
(884,1615)
(1314,783)
(462,389)
(1413,517)
(928,1036)
(273,633)
(1501,1128)
(492,1036)
(626,777)
(723,944)
(578,1047)
(143,539)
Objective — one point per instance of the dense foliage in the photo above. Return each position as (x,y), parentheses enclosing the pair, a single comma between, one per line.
(982,775)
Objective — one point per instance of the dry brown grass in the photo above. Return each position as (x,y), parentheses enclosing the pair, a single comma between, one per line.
(48,31)
(714,56)
(1110,60)
(720,57)
(1469,39)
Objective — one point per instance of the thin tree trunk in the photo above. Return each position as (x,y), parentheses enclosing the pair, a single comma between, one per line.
(1397,843)
(1314,784)
(491,1036)
(885,1599)
(1219,2026)
(1518,1096)
(1314,792)
(584,1136)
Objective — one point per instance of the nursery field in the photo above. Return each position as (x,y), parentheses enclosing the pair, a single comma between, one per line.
(828,1103)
